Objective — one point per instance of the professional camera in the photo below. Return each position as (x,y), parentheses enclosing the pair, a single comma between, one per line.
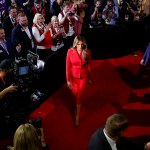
(37,123)
(110,7)
(36,96)
(27,70)
(71,14)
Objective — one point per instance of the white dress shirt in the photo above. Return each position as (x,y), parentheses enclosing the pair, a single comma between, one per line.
(110,141)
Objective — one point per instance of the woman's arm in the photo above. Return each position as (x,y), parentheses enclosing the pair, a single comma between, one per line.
(37,35)
(68,68)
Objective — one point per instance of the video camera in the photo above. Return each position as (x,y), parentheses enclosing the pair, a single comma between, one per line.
(27,70)
(71,14)
(37,123)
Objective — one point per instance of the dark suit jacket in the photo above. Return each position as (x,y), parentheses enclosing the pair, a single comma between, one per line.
(4,54)
(146,55)
(98,141)
(19,36)
(8,26)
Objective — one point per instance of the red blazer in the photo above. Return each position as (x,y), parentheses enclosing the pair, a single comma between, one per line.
(76,66)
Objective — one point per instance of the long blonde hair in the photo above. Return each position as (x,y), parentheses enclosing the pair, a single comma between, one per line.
(84,50)
(26,138)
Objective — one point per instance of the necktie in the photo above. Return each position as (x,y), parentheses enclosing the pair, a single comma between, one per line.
(5,47)
(13,21)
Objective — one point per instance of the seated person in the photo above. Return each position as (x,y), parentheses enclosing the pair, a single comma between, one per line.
(96,19)
(111,136)
(58,33)
(27,138)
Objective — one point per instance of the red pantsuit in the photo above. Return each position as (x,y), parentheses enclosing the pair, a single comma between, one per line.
(78,72)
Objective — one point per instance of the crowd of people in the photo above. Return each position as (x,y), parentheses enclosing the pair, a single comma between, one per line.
(44,26)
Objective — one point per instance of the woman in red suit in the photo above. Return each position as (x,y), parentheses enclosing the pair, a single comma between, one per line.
(78,71)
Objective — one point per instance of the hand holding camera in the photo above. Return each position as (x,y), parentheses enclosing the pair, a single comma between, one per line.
(12,88)
(96,9)
(71,14)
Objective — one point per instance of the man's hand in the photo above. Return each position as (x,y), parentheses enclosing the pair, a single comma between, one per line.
(96,9)
(147,146)
(12,88)
(18,48)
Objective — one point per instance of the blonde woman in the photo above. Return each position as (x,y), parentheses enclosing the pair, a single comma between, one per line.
(78,71)
(58,33)
(26,138)
(42,36)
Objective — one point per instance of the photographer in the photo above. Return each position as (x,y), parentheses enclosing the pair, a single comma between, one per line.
(66,18)
(96,15)
(110,13)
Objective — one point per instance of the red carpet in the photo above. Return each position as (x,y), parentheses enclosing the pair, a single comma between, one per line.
(114,88)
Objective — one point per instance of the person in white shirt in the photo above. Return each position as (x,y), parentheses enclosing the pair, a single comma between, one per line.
(111,136)
(58,33)
(42,36)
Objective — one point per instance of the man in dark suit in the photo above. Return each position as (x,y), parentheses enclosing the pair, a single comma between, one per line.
(6,50)
(22,36)
(9,21)
(110,137)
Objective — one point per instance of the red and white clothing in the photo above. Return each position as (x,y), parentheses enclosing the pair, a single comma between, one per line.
(68,24)
(41,11)
(42,41)
(78,72)
(58,40)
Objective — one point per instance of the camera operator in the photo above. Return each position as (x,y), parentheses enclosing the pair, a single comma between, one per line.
(5,72)
(7,95)
(13,102)
(96,19)
(110,13)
